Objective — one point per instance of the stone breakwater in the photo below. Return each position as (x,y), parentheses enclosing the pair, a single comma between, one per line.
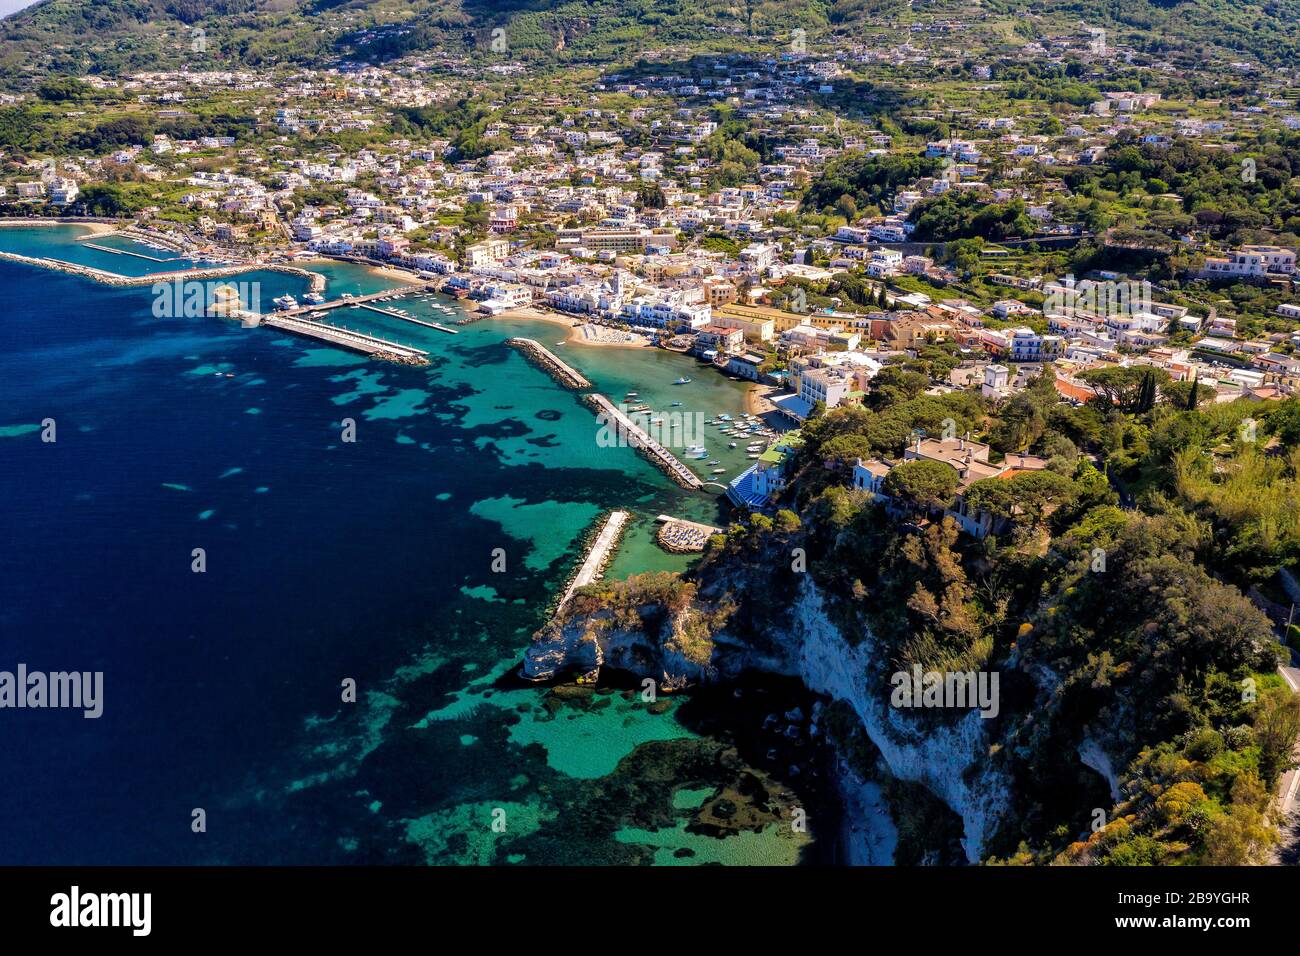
(547,360)
(612,418)
(112,278)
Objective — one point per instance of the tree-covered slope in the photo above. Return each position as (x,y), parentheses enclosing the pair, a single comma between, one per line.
(80,36)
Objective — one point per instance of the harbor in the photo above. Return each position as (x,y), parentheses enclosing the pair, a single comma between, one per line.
(346,301)
(406,318)
(638,438)
(559,370)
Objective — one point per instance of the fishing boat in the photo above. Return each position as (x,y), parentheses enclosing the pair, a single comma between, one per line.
(682,381)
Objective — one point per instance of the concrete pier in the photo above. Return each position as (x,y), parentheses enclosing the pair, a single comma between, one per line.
(127,252)
(559,370)
(638,439)
(355,300)
(601,550)
(544,661)
(407,318)
(346,338)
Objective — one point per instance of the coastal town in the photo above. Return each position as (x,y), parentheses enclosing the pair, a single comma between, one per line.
(960,346)
(636,214)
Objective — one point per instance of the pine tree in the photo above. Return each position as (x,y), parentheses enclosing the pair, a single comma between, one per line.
(1147,396)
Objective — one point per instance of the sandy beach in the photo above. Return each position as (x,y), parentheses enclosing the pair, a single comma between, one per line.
(91,228)
(540,315)
(399,275)
(758,399)
(605,337)
(580,333)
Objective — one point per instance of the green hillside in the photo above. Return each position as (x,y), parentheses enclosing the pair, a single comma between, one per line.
(89,36)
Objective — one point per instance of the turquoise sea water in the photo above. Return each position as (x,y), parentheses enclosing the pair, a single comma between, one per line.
(326,561)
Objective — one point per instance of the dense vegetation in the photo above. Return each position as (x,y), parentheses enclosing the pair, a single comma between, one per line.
(1113,609)
(77,36)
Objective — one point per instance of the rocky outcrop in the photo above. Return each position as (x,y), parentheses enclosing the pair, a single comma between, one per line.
(951,760)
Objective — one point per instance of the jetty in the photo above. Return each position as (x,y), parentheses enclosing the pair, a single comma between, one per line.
(597,557)
(559,370)
(543,660)
(638,439)
(406,318)
(153,278)
(128,252)
(354,300)
(345,338)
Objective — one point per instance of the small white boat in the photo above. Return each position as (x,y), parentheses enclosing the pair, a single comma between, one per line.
(682,381)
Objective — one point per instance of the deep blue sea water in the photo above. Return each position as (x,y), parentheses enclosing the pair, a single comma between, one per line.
(326,561)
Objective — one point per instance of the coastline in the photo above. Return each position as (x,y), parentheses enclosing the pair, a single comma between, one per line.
(91,227)
(575,326)
(758,399)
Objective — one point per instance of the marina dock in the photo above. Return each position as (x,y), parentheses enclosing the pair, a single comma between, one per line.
(641,441)
(346,338)
(559,370)
(342,303)
(128,252)
(407,318)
